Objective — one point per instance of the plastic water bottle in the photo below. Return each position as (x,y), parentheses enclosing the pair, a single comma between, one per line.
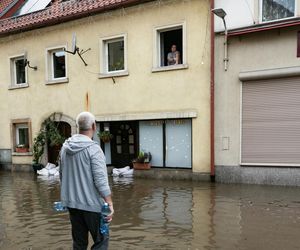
(57,206)
(104,225)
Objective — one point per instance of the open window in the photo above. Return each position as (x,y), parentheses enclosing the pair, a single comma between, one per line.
(57,65)
(170,46)
(18,71)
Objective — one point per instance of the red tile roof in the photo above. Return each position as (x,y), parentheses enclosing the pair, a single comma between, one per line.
(61,12)
(4,4)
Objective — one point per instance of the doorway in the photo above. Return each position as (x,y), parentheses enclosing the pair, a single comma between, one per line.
(53,151)
(124,143)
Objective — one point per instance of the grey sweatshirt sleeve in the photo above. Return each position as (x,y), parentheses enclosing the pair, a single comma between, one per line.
(99,171)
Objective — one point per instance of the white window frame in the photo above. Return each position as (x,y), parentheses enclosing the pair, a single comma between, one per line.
(157,47)
(275,20)
(50,65)
(104,41)
(15,125)
(18,127)
(13,72)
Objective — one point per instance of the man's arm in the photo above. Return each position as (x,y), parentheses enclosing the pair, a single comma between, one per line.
(100,177)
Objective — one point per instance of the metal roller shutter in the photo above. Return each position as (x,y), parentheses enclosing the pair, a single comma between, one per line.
(271,122)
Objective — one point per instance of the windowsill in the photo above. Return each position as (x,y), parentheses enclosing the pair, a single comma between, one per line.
(21,154)
(19,86)
(113,74)
(168,68)
(57,81)
(277,20)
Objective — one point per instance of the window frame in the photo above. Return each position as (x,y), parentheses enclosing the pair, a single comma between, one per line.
(18,127)
(157,47)
(13,72)
(15,125)
(275,20)
(104,41)
(50,79)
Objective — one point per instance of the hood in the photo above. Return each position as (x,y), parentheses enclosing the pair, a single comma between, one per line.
(77,143)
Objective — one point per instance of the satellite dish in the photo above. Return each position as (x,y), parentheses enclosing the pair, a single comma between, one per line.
(74,43)
(75,49)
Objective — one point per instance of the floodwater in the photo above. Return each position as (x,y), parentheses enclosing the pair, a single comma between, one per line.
(156,214)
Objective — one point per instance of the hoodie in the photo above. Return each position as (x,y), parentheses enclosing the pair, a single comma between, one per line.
(83,174)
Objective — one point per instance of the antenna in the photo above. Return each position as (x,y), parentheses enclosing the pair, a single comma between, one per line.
(27,63)
(76,49)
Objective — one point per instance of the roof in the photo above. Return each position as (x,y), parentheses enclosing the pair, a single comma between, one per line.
(58,12)
(4,4)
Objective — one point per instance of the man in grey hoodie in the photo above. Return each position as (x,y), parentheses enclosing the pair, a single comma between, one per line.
(84,184)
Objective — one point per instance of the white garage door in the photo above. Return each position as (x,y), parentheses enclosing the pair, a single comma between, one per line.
(271,122)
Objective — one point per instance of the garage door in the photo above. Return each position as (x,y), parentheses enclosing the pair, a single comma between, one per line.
(271,122)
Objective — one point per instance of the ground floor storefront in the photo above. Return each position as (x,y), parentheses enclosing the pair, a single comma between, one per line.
(169,141)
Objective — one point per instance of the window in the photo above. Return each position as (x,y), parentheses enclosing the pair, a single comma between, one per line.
(18,71)
(277,9)
(57,66)
(113,58)
(32,6)
(170,46)
(21,135)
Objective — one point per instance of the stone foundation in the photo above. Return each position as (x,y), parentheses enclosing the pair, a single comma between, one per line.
(283,176)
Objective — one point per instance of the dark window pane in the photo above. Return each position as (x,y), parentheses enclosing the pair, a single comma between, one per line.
(59,64)
(20,71)
(115,56)
(23,136)
(171,47)
(277,9)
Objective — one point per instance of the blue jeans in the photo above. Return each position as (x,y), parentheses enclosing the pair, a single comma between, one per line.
(82,223)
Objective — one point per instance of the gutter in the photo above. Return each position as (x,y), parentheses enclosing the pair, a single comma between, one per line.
(264,27)
(212,94)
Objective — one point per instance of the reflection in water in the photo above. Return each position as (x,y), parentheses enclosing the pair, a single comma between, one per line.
(153,214)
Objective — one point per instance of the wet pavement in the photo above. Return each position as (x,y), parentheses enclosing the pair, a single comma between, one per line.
(156,214)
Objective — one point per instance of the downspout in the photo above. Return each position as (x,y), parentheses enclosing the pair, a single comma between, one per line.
(212,93)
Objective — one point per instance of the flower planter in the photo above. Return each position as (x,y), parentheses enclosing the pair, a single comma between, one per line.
(105,139)
(141,166)
(22,150)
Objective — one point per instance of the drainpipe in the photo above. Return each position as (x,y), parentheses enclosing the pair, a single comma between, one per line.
(212,94)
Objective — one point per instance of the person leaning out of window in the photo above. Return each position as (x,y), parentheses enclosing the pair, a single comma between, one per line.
(173,56)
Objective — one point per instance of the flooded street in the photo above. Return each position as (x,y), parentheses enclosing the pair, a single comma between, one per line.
(156,214)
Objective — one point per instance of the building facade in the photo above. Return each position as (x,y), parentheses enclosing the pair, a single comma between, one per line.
(257,107)
(110,58)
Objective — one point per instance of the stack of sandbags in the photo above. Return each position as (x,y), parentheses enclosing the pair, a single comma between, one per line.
(50,169)
(122,172)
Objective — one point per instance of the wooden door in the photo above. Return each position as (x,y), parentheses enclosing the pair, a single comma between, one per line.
(124,143)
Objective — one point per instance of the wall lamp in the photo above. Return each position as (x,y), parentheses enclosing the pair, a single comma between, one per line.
(221,13)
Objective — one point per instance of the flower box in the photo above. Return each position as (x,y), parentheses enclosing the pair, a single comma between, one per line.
(22,150)
(141,165)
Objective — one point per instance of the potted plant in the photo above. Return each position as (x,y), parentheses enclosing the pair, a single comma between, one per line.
(22,148)
(143,161)
(48,133)
(105,136)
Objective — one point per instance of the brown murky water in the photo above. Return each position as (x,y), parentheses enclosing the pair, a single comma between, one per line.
(151,214)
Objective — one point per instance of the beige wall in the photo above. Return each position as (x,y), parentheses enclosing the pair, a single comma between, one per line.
(141,91)
(258,51)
